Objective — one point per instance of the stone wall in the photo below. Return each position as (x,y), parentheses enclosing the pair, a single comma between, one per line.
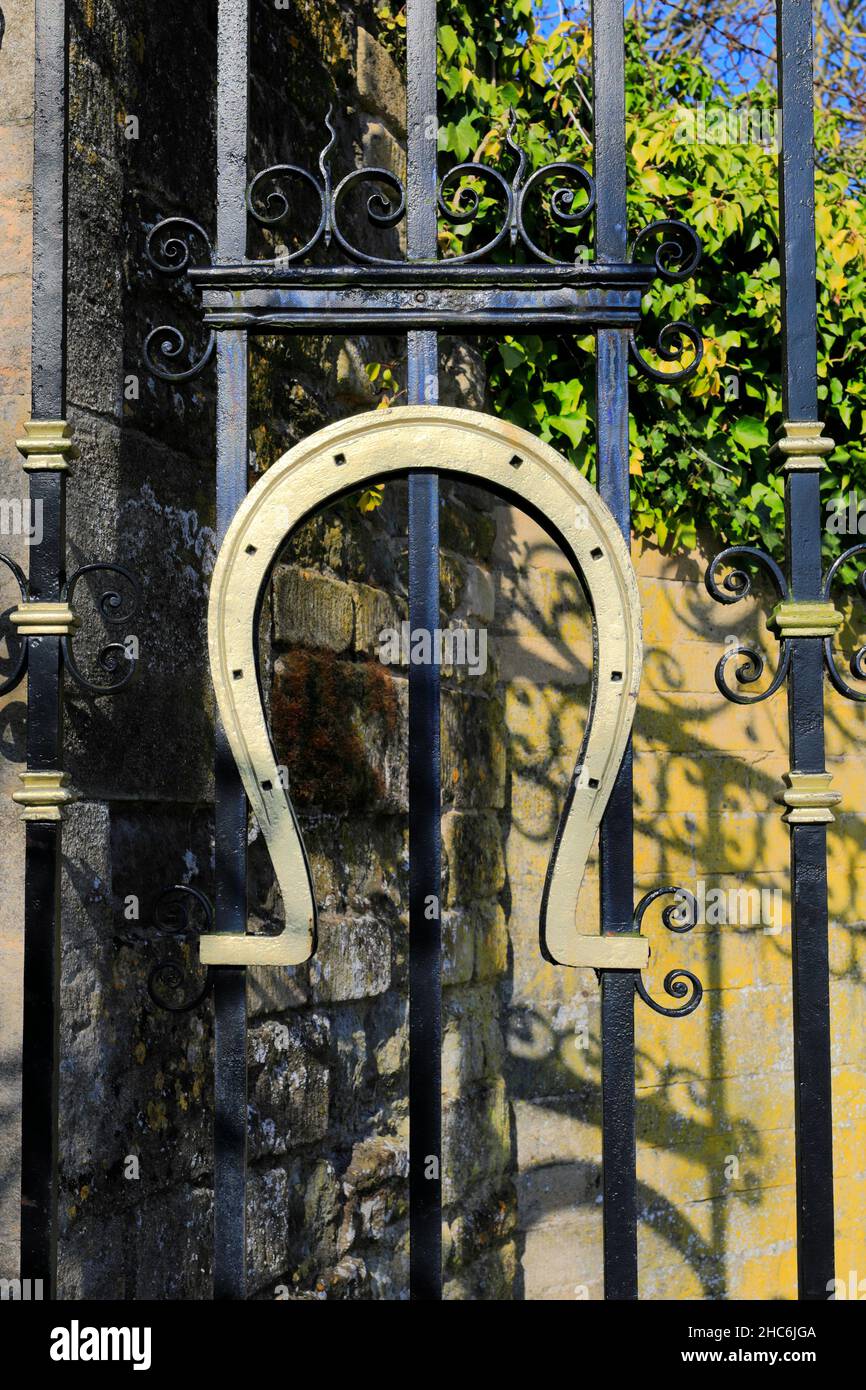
(715,1091)
(328,1066)
(16,157)
(328,1071)
(338,1129)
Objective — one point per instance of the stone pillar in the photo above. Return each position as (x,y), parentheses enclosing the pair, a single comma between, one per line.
(16,172)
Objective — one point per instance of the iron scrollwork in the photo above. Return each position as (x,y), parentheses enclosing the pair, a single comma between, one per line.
(676,257)
(113,611)
(19,659)
(181,915)
(564,208)
(738,585)
(457,203)
(857,663)
(679,916)
(269,207)
(168,250)
(561,194)
(735,586)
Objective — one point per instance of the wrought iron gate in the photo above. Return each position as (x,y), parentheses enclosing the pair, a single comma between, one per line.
(510,283)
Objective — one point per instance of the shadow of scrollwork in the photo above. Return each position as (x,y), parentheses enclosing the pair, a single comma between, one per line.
(180,915)
(702,796)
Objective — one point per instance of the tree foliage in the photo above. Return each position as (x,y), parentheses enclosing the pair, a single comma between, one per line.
(700,451)
(736,40)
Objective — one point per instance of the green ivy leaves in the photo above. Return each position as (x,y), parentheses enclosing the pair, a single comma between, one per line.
(700,452)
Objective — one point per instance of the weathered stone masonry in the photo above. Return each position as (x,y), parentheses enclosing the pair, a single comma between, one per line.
(328,1066)
(327,1044)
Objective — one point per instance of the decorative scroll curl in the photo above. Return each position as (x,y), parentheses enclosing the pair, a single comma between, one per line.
(564,209)
(679,916)
(676,257)
(857,663)
(569,203)
(270,206)
(737,585)
(20,659)
(181,915)
(382,212)
(459,199)
(111,607)
(460,204)
(114,655)
(168,249)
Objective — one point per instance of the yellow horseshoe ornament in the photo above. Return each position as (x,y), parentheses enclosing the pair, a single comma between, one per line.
(475,448)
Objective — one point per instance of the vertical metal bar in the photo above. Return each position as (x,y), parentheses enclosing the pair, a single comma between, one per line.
(425,977)
(230,811)
(40,1033)
(809,923)
(608,129)
(619,1174)
(48,385)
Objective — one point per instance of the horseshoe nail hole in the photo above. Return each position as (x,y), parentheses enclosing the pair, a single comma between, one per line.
(339,460)
(593,782)
(616,675)
(515,460)
(596,553)
(237,675)
(251,550)
(267,786)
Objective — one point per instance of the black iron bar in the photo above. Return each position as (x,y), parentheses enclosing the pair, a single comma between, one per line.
(468,299)
(41,1015)
(619,1174)
(421,274)
(385,311)
(809,921)
(425,933)
(230,811)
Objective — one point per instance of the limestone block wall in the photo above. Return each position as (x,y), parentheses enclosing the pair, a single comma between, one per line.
(16,156)
(328,1078)
(328,1067)
(339,719)
(715,1090)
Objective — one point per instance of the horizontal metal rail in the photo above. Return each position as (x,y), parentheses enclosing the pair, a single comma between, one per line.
(264,298)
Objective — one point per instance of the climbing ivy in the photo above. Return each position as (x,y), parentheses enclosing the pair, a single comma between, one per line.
(700,451)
